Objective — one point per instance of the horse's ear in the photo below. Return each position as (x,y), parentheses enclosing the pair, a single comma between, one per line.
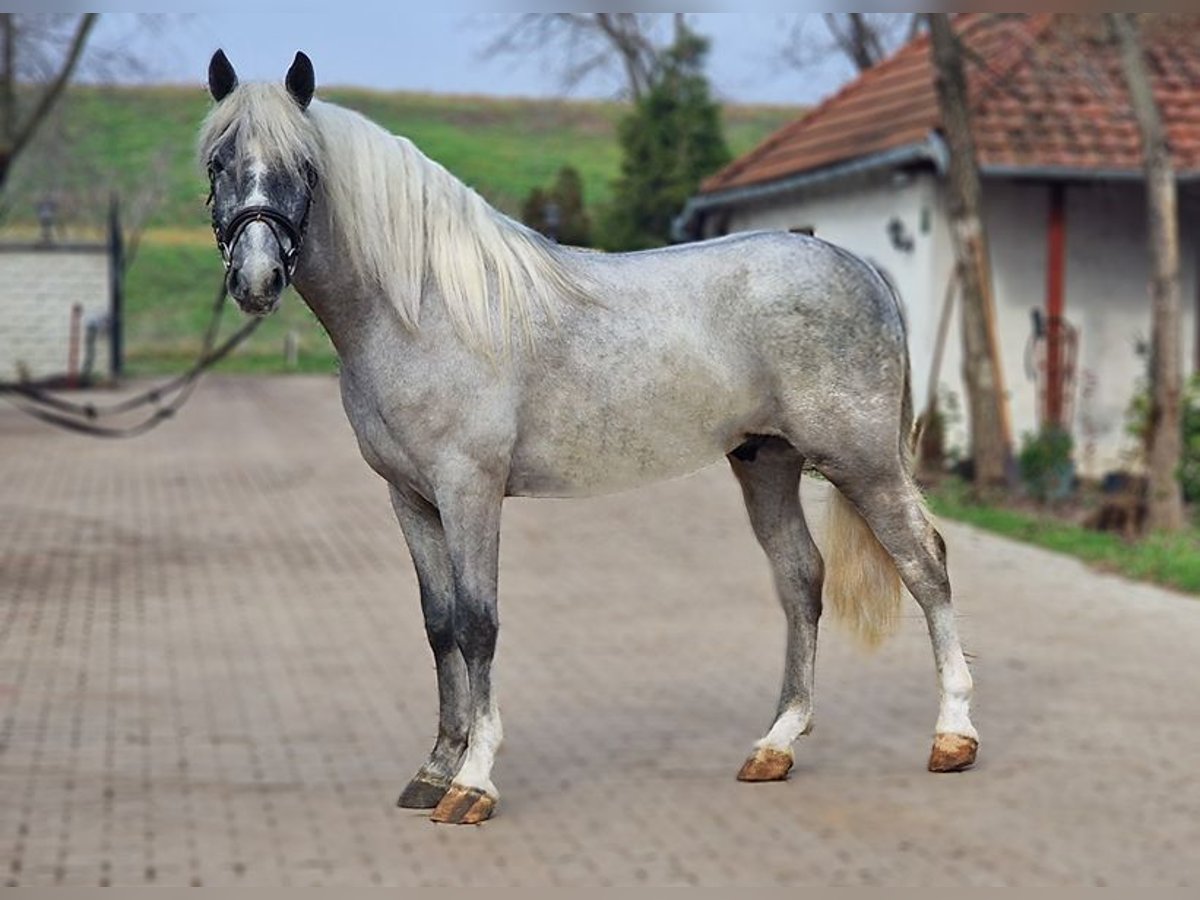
(300,81)
(221,77)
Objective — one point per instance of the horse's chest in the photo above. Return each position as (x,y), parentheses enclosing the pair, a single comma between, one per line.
(381,440)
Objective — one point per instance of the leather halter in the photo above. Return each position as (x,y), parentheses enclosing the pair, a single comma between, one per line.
(276,221)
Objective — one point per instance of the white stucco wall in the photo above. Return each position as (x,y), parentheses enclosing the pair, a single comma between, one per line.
(1106,286)
(37,290)
(1106,300)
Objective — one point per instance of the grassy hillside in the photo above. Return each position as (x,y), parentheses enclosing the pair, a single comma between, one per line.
(121,137)
(139,142)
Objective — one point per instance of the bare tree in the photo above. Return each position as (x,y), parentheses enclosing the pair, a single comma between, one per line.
(37,51)
(864,39)
(633,43)
(1164,429)
(990,435)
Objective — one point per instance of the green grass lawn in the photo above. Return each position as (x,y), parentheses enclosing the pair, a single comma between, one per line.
(1173,561)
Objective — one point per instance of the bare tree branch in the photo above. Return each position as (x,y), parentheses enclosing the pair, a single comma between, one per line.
(864,39)
(50,96)
(856,38)
(589,42)
(17,130)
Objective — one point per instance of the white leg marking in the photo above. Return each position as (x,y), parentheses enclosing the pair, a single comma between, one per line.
(954,676)
(789,726)
(487,733)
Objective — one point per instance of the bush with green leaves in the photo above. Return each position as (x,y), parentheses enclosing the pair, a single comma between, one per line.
(1137,418)
(1045,462)
(1189,467)
(558,212)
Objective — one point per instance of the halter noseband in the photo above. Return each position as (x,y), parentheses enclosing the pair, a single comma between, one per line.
(276,221)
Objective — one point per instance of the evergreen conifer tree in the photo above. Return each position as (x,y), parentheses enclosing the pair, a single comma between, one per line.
(670,141)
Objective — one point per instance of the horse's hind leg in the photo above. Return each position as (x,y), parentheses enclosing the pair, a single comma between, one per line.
(769,473)
(892,506)
(427,543)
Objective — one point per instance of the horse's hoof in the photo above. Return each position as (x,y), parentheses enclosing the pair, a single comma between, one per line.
(952,753)
(464,806)
(766,764)
(422,794)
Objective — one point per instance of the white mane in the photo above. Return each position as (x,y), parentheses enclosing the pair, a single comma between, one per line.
(407,221)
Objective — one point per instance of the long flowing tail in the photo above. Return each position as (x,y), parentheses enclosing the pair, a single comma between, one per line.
(862,586)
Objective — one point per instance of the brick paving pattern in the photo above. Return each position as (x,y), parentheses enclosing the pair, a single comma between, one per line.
(213,671)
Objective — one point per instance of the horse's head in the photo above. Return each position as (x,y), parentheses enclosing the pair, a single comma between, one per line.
(260,197)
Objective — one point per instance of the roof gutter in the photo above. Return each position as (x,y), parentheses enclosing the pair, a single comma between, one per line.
(1068,173)
(931,150)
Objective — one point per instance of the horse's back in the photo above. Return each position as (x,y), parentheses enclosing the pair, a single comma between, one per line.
(769,275)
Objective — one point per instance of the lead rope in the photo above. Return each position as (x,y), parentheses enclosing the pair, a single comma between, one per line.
(82,417)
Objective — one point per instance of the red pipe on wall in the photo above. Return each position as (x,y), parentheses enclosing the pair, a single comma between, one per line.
(1056,269)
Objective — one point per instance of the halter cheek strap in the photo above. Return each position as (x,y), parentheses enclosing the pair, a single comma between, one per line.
(276,221)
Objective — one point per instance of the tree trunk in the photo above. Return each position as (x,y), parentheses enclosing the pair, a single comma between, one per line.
(8,77)
(982,373)
(1164,430)
(8,91)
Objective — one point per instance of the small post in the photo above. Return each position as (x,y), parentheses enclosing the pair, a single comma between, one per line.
(116,300)
(291,349)
(47,213)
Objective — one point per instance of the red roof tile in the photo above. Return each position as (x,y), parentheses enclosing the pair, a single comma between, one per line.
(1047,92)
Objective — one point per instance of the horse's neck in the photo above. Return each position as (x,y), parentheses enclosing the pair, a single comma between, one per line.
(351,311)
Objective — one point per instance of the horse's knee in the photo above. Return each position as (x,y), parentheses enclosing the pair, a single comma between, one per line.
(476,626)
(439,625)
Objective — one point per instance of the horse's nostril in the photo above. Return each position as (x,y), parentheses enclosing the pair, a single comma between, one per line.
(277,279)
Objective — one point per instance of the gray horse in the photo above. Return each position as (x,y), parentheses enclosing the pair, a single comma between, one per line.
(480,361)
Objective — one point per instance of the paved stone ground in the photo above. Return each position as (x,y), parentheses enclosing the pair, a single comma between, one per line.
(212,671)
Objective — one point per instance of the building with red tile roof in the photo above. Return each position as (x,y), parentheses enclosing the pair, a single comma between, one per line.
(1060,155)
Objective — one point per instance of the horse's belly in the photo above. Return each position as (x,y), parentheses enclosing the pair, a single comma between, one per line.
(602,454)
(607,473)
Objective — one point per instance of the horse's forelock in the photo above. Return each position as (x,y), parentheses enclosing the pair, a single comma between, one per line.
(264,123)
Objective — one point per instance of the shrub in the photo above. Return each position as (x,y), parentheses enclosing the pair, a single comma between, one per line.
(1189,466)
(1045,463)
(568,223)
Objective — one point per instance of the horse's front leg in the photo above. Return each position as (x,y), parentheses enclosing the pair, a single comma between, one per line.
(470,512)
(426,539)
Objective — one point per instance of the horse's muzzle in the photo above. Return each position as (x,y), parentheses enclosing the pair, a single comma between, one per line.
(256,288)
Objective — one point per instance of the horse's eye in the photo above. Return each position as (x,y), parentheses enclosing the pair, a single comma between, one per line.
(214,169)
